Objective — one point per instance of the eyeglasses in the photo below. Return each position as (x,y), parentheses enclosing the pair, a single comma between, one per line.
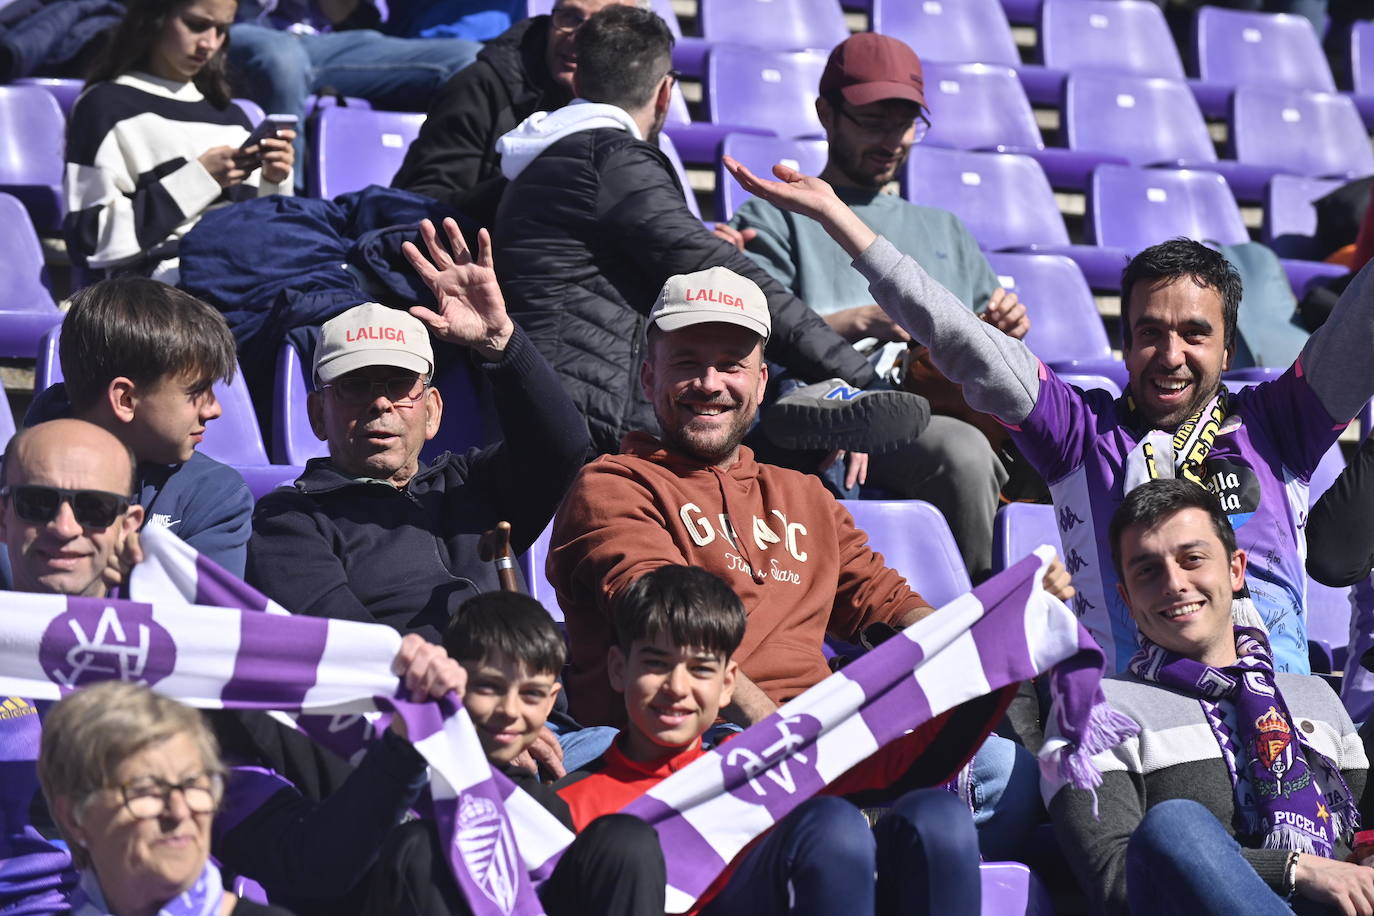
(884,127)
(567,19)
(401,390)
(39,505)
(149,798)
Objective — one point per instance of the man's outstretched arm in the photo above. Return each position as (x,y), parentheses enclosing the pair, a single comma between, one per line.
(1000,376)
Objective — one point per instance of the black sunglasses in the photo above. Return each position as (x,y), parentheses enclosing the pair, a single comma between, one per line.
(39,505)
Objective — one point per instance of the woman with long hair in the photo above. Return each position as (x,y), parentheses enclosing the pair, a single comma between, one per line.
(154,140)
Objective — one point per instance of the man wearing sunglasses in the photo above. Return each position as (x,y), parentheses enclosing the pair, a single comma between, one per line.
(872,106)
(66,506)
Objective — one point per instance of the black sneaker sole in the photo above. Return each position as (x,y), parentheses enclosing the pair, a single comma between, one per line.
(875,422)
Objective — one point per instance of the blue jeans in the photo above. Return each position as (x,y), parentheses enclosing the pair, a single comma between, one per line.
(583,745)
(820,860)
(1181,861)
(1004,789)
(279,69)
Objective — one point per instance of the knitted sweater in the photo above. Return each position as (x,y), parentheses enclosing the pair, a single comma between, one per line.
(1176,755)
(134,182)
(787,548)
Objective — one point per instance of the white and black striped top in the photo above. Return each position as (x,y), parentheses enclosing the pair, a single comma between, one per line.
(134,183)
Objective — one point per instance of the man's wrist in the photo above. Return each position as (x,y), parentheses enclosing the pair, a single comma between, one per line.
(493,347)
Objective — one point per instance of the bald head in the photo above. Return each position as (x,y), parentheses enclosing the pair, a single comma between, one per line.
(55,537)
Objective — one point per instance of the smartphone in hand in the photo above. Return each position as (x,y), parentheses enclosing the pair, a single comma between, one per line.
(268,127)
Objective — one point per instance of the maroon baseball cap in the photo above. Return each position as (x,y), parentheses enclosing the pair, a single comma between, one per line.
(869,67)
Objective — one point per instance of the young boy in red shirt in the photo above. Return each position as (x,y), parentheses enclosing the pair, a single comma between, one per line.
(513,652)
(676,629)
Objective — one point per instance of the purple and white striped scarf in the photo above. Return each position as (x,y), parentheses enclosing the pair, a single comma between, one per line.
(1273,779)
(196,633)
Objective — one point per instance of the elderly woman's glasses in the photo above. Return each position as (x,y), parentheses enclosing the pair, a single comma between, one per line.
(149,798)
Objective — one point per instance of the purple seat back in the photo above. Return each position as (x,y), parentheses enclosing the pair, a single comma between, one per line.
(1362,57)
(784,25)
(1012,889)
(1311,133)
(23,277)
(1122,36)
(1237,48)
(293,441)
(960,31)
(915,540)
(1328,609)
(1065,323)
(665,143)
(759,155)
(251,109)
(775,90)
(1133,208)
(64,90)
(233,438)
(532,565)
(1290,215)
(1004,199)
(1019,528)
(31,158)
(978,106)
(357,147)
(1091,382)
(7,428)
(1143,119)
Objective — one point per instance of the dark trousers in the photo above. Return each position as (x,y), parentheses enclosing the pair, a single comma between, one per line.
(820,860)
(613,868)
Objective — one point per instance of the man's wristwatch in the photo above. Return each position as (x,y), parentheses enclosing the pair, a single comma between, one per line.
(1290,877)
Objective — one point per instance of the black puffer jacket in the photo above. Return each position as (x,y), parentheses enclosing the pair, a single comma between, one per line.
(454,159)
(585,238)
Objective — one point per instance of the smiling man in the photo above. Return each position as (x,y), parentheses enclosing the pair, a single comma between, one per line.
(1256,449)
(1239,790)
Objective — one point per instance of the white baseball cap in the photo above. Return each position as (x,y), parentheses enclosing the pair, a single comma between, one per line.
(716,294)
(372,334)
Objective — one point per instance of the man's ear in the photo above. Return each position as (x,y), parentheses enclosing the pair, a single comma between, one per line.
(824,113)
(646,380)
(434,405)
(1238,562)
(763,376)
(665,95)
(122,397)
(1226,358)
(314,412)
(727,691)
(615,668)
(132,521)
(63,812)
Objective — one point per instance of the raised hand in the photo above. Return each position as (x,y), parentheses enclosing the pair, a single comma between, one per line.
(804,194)
(471,310)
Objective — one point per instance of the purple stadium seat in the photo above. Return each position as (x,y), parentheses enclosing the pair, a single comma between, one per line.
(1112,384)
(965,32)
(64,90)
(984,107)
(1362,69)
(759,155)
(1022,12)
(1149,121)
(27,311)
(7,428)
(1328,609)
(1319,134)
(1122,37)
(699,141)
(1131,208)
(1012,889)
(1290,217)
(1066,329)
(532,565)
(1019,528)
(665,143)
(1238,48)
(915,540)
(356,147)
(1006,202)
(293,441)
(774,90)
(782,25)
(31,158)
(252,109)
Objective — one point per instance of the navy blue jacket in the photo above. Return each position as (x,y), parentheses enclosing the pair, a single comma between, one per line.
(39,36)
(334,546)
(203,502)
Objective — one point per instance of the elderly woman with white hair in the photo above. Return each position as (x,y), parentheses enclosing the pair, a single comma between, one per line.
(133,780)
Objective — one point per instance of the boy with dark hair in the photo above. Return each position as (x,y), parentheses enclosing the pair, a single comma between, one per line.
(512,653)
(139,359)
(676,628)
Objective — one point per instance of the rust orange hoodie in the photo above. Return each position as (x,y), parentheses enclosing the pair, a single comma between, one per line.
(786,546)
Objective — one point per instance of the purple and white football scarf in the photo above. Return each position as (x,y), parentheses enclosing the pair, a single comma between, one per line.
(1271,764)
(201,899)
(195,642)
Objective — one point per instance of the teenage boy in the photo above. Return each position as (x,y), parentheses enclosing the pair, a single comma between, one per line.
(512,653)
(676,629)
(139,359)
